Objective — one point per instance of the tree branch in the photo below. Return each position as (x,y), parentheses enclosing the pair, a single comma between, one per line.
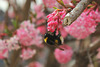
(26,9)
(75,13)
(15,58)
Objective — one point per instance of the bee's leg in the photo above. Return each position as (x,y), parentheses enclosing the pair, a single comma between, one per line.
(58,47)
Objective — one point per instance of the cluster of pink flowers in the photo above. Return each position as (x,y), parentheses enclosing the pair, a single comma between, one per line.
(27,53)
(8,45)
(28,35)
(55,20)
(95,15)
(12,43)
(84,25)
(63,56)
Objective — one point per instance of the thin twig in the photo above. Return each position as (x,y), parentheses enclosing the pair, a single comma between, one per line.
(75,13)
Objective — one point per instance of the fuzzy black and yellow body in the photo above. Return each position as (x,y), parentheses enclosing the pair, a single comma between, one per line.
(53,39)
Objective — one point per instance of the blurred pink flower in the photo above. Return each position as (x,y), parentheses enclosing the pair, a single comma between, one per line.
(12,43)
(55,20)
(63,56)
(28,35)
(35,64)
(39,12)
(82,27)
(27,53)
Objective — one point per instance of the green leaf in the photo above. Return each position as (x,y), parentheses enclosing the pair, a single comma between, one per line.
(35,15)
(55,7)
(15,24)
(74,1)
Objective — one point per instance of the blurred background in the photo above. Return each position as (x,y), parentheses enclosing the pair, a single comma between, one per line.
(13,15)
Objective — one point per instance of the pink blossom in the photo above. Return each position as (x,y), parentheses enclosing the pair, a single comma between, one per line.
(82,27)
(27,53)
(28,35)
(25,39)
(12,43)
(63,56)
(55,20)
(95,15)
(35,64)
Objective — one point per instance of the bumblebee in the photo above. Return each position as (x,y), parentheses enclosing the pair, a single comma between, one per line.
(53,39)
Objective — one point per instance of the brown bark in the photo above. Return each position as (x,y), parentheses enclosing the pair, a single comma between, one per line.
(75,13)
(15,58)
(26,9)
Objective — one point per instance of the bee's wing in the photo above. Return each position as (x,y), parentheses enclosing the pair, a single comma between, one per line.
(62,40)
